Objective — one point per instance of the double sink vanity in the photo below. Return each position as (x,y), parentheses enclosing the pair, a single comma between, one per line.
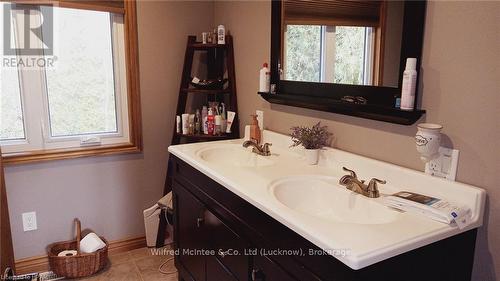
(244,216)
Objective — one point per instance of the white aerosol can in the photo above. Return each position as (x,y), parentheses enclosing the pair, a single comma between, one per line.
(409,84)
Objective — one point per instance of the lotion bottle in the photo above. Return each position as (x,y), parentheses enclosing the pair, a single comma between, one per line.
(264,79)
(409,84)
(211,122)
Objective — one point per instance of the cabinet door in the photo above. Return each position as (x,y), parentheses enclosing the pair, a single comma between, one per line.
(216,271)
(264,269)
(190,232)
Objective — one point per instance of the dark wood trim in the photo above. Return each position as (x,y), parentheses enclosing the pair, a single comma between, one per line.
(133,76)
(378,66)
(276,41)
(413,38)
(382,97)
(6,249)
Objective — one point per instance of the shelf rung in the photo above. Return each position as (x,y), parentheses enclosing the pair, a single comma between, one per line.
(203,91)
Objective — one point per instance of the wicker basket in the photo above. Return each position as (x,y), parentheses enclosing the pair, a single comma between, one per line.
(80,265)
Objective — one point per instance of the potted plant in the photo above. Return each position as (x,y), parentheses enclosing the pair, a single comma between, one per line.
(312,139)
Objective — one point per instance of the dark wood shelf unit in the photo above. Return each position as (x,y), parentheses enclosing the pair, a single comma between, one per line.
(368,111)
(204,91)
(204,137)
(201,46)
(220,63)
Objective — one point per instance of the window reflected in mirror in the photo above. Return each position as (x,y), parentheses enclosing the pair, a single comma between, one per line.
(344,42)
(333,54)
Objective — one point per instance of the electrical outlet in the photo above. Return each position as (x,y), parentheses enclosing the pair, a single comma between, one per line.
(445,165)
(29,221)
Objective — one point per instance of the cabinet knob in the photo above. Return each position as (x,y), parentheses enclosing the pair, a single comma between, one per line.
(199,222)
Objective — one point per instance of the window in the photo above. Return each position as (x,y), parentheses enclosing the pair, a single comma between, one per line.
(337,54)
(68,91)
(11,114)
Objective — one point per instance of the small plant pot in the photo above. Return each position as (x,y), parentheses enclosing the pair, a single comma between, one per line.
(312,156)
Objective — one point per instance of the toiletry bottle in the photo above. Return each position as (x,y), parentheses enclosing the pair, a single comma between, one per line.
(191,124)
(221,35)
(218,128)
(255,130)
(204,114)
(197,122)
(178,124)
(214,36)
(223,118)
(409,84)
(210,121)
(230,119)
(264,79)
(185,124)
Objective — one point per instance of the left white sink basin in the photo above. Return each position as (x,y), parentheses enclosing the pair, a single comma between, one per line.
(233,155)
(322,197)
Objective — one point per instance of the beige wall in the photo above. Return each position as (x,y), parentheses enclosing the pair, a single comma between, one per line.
(109,193)
(460,90)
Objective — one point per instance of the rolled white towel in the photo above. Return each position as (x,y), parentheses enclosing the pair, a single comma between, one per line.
(91,243)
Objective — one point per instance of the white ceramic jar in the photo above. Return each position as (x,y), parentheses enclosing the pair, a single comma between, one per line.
(428,140)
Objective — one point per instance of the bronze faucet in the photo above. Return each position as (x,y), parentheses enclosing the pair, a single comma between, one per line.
(258,149)
(351,182)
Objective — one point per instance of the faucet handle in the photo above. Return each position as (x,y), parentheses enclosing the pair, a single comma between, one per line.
(375,180)
(353,174)
(372,188)
(265,148)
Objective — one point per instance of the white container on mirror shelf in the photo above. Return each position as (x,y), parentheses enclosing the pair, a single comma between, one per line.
(409,84)
(264,79)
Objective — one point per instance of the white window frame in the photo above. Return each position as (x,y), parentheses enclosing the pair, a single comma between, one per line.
(35,104)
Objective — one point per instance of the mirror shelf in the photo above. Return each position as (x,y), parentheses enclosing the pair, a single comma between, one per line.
(367,111)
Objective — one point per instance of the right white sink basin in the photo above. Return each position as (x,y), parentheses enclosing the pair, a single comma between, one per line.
(322,197)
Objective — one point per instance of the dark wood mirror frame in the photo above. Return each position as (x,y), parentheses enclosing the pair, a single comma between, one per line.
(326,96)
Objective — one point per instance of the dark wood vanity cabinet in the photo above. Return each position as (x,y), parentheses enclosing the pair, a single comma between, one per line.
(219,236)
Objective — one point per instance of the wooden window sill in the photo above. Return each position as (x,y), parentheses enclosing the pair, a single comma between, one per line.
(68,153)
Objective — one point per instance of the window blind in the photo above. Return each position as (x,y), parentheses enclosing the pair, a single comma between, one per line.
(332,12)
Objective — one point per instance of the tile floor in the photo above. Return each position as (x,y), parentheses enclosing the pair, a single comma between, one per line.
(136,265)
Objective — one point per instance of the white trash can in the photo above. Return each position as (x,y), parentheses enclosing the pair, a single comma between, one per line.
(152,219)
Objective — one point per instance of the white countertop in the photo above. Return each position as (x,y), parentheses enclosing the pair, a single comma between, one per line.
(365,244)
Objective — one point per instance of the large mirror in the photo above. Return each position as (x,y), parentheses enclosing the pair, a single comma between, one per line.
(345,42)
(323,51)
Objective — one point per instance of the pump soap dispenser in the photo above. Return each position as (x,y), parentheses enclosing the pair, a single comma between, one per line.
(255,130)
